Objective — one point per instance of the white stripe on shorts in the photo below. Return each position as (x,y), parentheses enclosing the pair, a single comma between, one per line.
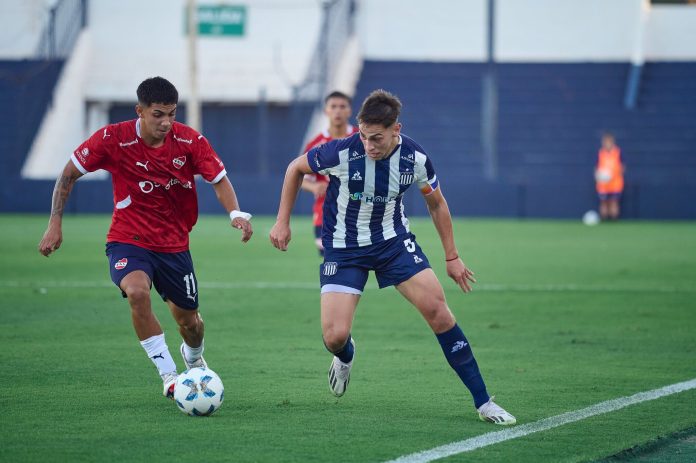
(340,289)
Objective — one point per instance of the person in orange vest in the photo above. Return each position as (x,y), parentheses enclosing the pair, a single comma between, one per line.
(609,178)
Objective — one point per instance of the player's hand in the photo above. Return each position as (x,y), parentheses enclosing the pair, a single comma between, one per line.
(280,236)
(244,226)
(460,274)
(51,241)
(320,189)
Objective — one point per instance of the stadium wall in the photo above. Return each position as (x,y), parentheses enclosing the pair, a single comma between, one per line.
(275,53)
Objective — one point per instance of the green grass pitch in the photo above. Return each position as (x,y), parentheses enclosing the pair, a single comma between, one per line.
(563,316)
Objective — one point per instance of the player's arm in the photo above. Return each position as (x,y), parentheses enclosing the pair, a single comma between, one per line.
(442,219)
(310,184)
(53,237)
(228,198)
(297,169)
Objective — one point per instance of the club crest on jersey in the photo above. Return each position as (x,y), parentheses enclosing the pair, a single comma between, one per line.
(405,178)
(330,268)
(121,264)
(179,162)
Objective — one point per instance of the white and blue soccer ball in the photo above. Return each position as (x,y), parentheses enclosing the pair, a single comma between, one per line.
(590,218)
(199,392)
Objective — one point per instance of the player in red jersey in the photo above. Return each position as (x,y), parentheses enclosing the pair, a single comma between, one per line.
(337,109)
(152,161)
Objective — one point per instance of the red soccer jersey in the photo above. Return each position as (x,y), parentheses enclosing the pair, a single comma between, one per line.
(155,202)
(318,207)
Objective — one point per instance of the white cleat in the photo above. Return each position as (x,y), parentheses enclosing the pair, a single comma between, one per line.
(200,363)
(490,411)
(339,375)
(168,382)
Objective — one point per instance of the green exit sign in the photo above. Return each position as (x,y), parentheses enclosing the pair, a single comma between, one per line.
(219,20)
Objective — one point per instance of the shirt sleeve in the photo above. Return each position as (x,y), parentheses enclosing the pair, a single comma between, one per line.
(94,153)
(425,174)
(323,157)
(207,162)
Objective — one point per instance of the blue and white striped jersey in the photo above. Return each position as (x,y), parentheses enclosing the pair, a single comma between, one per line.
(363,204)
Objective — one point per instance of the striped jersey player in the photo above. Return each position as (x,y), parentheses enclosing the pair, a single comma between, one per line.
(365,229)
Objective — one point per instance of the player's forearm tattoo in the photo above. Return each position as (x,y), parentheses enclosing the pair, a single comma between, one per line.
(61,191)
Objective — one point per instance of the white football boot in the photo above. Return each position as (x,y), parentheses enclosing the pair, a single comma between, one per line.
(168,382)
(490,411)
(200,363)
(339,374)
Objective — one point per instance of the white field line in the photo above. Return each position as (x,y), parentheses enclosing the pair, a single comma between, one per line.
(491,438)
(315,285)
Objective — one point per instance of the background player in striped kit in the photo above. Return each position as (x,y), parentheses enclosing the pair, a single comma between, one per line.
(365,229)
(337,110)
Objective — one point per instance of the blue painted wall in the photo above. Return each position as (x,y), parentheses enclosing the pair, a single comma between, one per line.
(551,117)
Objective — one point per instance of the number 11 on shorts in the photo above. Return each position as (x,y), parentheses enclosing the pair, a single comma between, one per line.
(190,286)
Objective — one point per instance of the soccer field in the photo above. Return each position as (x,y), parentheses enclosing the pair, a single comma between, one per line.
(563,317)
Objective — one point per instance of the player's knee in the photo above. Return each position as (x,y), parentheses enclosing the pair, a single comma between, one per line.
(335,339)
(138,296)
(438,316)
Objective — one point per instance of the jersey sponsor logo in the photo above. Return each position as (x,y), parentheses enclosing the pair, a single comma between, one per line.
(330,268)
(409,158)
(355,155)
(146,186)
(182,140)
(405,178)
(368,199)
(144,166)
(179,162)
(128,143)
(356,176)
(121,264)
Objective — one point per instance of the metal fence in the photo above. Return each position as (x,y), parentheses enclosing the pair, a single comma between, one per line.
(337,26)
(63,25)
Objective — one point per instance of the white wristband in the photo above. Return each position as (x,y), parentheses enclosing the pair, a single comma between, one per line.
(242,215)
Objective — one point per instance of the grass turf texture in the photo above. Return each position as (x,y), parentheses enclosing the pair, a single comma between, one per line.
(564,316)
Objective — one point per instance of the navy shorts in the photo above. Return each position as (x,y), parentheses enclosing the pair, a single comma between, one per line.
(393,261)
(608,196)
(171,272)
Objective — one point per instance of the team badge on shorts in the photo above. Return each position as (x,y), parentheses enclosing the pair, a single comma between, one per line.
(121,264)
(329,269)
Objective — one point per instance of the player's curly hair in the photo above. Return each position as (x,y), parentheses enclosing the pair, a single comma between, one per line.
(380,107)
(157,90)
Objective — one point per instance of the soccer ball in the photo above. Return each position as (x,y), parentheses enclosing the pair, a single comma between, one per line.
(590,218)
(198,392)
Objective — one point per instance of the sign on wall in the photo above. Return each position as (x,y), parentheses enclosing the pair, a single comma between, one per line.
(220,20)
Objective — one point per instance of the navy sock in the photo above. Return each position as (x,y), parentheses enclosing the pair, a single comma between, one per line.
(460,357)
(345,355)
